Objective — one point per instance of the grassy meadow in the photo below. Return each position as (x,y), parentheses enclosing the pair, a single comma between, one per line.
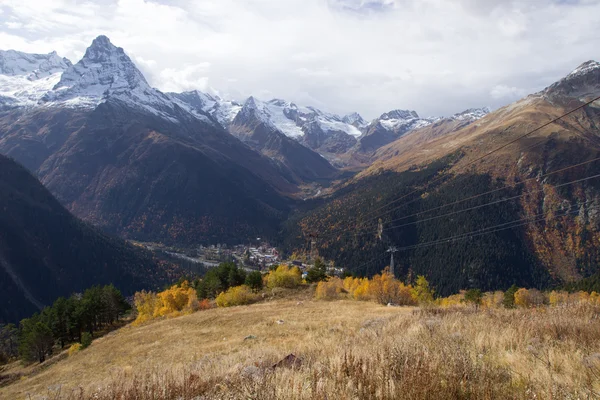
(346,350)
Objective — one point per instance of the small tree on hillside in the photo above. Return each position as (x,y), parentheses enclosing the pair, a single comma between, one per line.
(421,291)
(254,281)
(36,340)
(473,296)
(317,273)
(509,297)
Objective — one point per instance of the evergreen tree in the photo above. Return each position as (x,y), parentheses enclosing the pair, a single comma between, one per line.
(509,297)
(35,340)
(317,273)
(254,280)
(474,296)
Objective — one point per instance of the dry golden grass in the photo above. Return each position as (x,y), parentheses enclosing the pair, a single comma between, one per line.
(349,350)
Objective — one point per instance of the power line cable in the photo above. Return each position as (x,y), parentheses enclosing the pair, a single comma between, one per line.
(477,196)
(480,206)
(472,162)
(492,229)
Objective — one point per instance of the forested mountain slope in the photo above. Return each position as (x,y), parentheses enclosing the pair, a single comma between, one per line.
(558,219)
(45,252)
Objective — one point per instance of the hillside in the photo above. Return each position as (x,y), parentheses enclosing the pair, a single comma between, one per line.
(427,169)
(45,252)
(350,348)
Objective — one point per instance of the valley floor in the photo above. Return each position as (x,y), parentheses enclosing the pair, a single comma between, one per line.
(346,350)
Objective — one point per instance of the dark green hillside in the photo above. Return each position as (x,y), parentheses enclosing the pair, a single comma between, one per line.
(45,252)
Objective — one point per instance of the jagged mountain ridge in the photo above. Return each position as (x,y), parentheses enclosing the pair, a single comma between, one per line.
(254,126)
(25,78)
(392,125)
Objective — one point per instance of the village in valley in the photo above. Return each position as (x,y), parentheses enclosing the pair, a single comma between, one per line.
(257,256)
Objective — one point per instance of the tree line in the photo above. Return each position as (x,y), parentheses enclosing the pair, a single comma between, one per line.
(69,320)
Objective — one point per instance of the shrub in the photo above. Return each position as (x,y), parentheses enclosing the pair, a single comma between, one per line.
(330,290)
(86,340)
(75,347)
(284,277)
(236,296)
(205,304)
(493,299)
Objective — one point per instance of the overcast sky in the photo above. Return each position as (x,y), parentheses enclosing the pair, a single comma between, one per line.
(437,57)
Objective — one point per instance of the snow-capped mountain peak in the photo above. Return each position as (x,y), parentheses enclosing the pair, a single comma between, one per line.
(104,70)
(25,78)
(585,68)
(582,83)
(472,114)
(398,119)
(224,111)
(355,119)
(34,66)
(296,121)
(399,114)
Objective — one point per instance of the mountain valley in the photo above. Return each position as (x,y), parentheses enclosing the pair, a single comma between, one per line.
(193,168)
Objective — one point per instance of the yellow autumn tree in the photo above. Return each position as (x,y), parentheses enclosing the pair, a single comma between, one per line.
(422,292)
(175,301)
(236,296)
(386,289)
(529,298)
(331,289)
(145,304)
(284,277)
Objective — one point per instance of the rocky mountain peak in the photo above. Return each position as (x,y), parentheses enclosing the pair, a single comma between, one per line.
(355,119)
(587,67)
(25,78)
(472,114)
(33,66)
(582,82)
(104,70)
(399,114)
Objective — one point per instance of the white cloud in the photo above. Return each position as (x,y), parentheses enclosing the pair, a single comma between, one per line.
(505,92)
(435,56)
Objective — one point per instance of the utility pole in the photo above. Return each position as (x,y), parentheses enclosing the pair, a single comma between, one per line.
(313,246)
(392,250)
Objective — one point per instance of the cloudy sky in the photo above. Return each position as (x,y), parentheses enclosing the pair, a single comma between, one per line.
(437,57)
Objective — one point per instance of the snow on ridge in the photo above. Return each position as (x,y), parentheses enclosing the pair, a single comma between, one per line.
(293,120)
(224,111)
(33,66)
(472,114)
(355,119)
(585,68)
(25,78)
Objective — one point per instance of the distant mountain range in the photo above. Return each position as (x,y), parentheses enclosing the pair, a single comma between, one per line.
(191,168)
